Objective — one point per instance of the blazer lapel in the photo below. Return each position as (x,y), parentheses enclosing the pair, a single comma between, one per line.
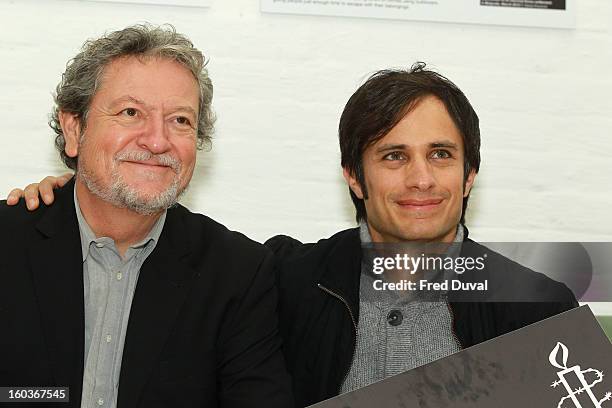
(162,287)
(57,273)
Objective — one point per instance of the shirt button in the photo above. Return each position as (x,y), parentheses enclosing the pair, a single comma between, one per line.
(100,401)
(395,317)
(119,275)
(108,338)
(100,245)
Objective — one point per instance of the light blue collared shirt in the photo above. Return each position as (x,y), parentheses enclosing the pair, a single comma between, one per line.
(109,286)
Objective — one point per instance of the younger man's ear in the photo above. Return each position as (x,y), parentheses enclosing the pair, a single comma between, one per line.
(469,182)
(352,182)
(71,126)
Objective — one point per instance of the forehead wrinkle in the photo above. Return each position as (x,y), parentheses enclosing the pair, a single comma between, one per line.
(130,98)
(117,65)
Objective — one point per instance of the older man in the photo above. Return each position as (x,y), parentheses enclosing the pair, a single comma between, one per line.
(148,304)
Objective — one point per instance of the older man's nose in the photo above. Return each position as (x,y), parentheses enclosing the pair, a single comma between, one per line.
(155,137)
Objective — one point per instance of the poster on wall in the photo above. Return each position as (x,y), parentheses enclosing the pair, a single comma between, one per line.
(188,3)
(532,13)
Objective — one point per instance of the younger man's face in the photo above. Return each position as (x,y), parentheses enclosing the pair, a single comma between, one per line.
(414,178)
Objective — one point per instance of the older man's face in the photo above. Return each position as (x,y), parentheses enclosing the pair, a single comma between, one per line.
(139,146)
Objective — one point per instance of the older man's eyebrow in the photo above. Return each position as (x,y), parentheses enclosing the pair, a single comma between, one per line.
(128,99)
(134,100)
(185,108)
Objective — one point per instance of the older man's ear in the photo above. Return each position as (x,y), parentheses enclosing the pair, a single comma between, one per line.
(71,127)
(44,189)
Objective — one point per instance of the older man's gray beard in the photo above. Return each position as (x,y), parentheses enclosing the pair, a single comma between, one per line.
(122,195)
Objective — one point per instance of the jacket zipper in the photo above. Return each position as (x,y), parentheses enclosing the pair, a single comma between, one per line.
(452,314)
(340,298)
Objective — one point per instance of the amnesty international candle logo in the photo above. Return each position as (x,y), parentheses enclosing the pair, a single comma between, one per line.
(583,392)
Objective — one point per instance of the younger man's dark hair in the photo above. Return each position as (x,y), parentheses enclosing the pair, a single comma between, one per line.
(383,100)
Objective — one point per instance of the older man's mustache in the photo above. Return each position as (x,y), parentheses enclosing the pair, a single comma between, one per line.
(164,159)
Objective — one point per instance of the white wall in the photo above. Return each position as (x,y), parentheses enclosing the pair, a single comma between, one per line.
(543,96)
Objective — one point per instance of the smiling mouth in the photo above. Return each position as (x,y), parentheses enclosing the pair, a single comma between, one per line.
(145,163)
(420,205)
(148,167)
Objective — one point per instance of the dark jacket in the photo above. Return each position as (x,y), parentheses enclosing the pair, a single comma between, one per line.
(203,326)
(319,308)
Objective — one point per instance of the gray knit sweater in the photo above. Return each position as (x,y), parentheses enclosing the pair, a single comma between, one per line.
(395,333)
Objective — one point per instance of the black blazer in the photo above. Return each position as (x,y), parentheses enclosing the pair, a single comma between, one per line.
(202,330)
(319,308)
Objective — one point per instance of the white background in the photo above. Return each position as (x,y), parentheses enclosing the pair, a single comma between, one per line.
(281,81)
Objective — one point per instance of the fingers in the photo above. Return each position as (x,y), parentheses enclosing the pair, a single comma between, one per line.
(45,188)
(31,196)
(50,183)
(14,196)
(63,179)
(30,193)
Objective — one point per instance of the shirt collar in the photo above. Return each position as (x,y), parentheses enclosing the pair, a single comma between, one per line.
(88,236)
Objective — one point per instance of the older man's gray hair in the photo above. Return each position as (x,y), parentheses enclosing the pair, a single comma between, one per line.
(83,74)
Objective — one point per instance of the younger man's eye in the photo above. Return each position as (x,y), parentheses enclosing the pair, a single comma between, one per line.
(441,154)
(394,156)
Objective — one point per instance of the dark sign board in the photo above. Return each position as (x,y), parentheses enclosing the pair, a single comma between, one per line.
(563,361)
